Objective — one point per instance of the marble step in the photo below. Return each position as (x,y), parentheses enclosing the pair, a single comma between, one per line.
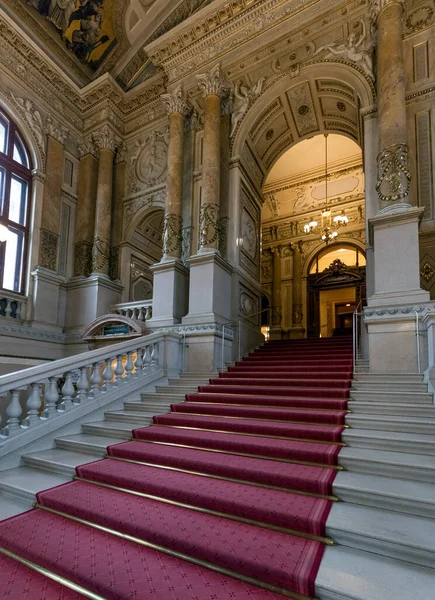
(388,493)
(182,389)
(348,574)
(140,419)
(9,507)
(387,377)
(199,375)
(116,429)
(379,397)
(23,483)
(391,441)
(160,399)
(87,443)
(149,407)
(403,424)
(415,467)
(194,381)
(389,386)
(391,408)
(58,461)
(404,537)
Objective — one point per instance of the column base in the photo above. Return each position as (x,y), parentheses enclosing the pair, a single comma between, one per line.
(48,300)
(170,292)
(297,333)
(89,298)
(210,289)
(394,238)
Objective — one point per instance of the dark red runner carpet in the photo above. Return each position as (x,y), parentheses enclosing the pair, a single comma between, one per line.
(236,480)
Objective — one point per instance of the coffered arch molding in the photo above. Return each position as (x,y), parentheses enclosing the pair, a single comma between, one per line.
(292,109)
(321,246)
(35,150)
(143,213)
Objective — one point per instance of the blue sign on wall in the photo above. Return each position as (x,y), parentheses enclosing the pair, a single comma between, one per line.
(116,330)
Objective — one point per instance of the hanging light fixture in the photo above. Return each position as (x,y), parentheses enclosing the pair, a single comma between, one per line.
(329,224)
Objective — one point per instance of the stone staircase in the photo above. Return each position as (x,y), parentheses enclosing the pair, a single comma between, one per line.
(384,526)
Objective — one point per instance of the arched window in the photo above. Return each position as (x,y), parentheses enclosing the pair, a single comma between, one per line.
(348,254)
(15,194)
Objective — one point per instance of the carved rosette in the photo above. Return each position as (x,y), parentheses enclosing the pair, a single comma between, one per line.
(176,102)
(208,224)
(48,250)
(82,259)
(394,175)
(105,139)
(297,314)
(100,255)
(214,83)
(172,235)
(56,130)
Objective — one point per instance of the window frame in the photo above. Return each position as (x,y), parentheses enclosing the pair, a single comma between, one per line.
(14,168)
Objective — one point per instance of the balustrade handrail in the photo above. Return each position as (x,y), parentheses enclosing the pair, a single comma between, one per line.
(47,370)
(131,305)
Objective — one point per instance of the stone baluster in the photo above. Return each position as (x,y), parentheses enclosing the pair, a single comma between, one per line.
(394,174)
(155,357)
(33,405)
(13,413)
(148,314)
(8,308)
(67,393)
(83,385)
(51,398)
(106,142)
(148,359)
(178,109)
(95,379)
(129,366)
(138,365)
(18,311)
(215,88)
(119,370)
(140,316)
(107,376)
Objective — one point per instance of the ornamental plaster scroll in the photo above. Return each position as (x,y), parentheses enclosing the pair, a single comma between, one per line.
(176,102)
(214,83)
(149,159)
(358,49)
(56,130)
(33,119)
(244,98)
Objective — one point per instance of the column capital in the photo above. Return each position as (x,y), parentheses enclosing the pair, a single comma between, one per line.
(56,130)
(105,139)
(176,102)
(214,83)
(86,146)
(376,6)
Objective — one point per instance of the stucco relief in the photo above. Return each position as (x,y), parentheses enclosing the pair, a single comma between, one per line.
(148,160)
(32,116)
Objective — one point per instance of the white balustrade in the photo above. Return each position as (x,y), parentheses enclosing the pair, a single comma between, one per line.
(63,385)
(139,311)
(12,305)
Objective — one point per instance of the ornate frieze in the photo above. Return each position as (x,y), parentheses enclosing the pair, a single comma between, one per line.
(56,130)
(176,102)
(48,250)
(214,83)
(394,175)
(208,224)
(82,259)
(172,235)
(297,314)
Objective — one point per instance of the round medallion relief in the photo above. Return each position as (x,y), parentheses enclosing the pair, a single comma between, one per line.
(303,110)
(151,163)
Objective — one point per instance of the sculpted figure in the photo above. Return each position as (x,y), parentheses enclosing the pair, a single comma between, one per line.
(245,97)
(353,49)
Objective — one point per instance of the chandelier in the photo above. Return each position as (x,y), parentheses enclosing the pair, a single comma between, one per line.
(329,224)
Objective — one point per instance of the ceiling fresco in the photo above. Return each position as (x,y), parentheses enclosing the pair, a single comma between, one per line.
(85,26)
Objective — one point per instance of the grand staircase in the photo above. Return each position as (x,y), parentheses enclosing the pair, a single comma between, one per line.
(264,482)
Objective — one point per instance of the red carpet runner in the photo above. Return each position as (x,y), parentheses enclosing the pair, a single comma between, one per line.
(227,493)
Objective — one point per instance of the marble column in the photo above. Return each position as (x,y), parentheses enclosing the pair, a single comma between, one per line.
(393,159)
(297,330)
(178,109)
(171,277)
(85,213)
(120,178)
(106,144)
(276,324)
(215,88)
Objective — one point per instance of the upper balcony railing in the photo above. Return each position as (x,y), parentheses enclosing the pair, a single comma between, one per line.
(141,310)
